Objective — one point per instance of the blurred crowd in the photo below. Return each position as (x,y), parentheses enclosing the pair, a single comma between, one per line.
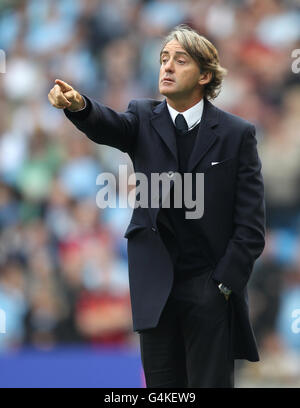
(63,261)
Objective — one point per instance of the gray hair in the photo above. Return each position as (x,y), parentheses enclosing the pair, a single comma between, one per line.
(203,52)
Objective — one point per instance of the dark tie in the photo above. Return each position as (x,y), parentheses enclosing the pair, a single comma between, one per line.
(181,124)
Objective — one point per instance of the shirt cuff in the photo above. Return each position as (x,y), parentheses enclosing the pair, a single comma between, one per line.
(79,110)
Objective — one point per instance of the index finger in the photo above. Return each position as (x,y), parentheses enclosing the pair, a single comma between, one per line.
(63,85)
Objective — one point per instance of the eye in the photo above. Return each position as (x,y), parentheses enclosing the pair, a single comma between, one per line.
(181,62)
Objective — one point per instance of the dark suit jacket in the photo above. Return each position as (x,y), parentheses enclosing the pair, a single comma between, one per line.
(233,224)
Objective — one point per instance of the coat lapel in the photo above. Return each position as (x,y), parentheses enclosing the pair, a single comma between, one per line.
(162,123)
(206,135)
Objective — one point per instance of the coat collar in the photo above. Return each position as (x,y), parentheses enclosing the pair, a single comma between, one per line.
(162,123)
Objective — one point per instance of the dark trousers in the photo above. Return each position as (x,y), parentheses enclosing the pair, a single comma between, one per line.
(190,346)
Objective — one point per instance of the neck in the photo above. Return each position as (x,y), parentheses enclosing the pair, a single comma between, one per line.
(183,105)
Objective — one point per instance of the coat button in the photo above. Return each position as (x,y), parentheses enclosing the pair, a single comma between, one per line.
(170,174)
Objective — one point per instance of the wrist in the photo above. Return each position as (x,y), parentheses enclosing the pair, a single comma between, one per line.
(78,106)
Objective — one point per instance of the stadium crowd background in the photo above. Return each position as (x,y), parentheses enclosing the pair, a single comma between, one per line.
(63,265)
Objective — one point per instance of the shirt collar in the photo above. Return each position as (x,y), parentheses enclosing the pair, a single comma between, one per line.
(192,116)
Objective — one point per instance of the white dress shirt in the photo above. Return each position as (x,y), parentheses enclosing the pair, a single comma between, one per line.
(192,116)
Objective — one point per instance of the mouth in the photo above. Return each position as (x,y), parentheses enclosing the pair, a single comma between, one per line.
(167,80)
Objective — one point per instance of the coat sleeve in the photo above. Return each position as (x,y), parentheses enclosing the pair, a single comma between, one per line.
(105,126)
(248,239)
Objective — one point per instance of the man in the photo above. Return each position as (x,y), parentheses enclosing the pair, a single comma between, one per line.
(188,276)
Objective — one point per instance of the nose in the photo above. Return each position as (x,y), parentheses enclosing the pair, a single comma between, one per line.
(169,66)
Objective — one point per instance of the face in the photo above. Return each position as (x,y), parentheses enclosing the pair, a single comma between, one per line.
(179,76)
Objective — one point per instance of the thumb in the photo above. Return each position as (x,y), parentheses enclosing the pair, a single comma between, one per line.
(63,85)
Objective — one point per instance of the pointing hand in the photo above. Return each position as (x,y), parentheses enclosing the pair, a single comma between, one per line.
(63,96)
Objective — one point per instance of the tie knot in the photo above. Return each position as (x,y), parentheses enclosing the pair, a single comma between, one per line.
(181,124)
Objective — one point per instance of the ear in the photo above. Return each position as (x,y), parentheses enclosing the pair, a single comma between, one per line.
(205,78)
